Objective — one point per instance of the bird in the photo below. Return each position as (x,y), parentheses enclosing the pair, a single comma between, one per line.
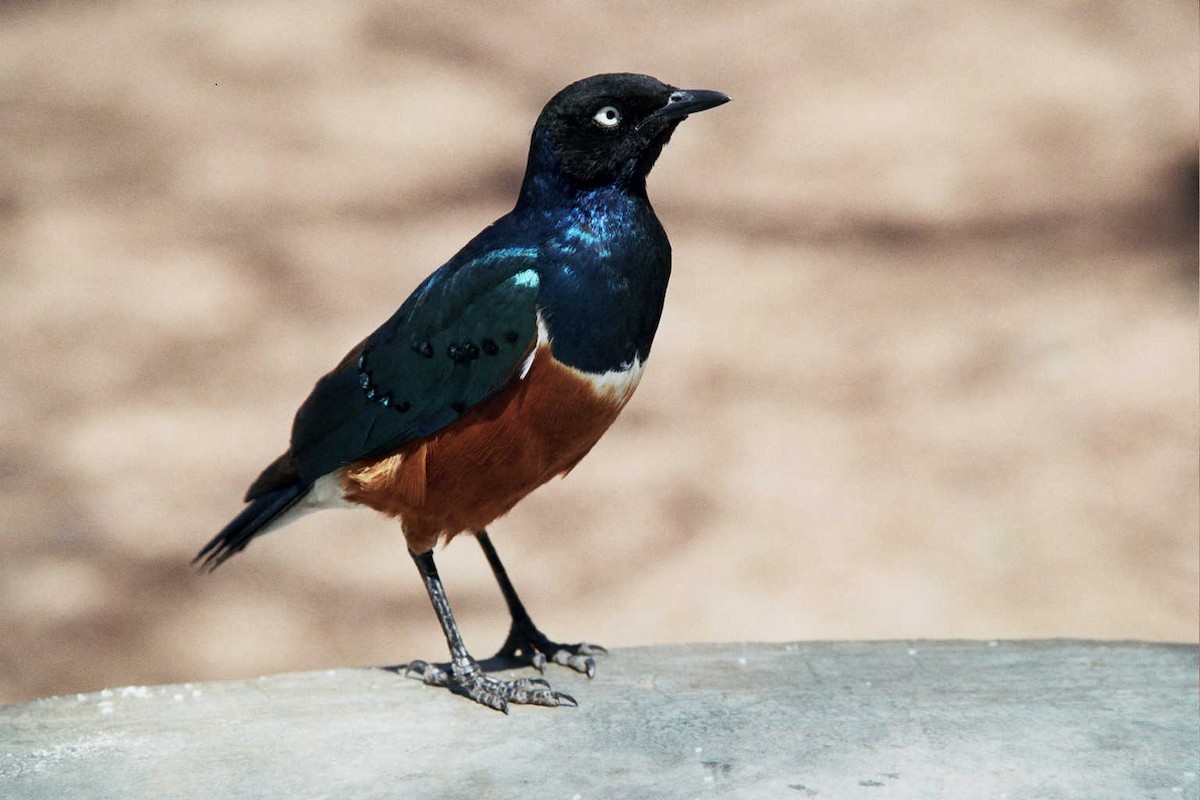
(500,371)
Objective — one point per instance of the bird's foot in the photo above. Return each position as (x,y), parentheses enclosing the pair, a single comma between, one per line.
(469,678)
(526,643)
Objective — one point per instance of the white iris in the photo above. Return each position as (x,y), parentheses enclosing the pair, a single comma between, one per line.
(608,116)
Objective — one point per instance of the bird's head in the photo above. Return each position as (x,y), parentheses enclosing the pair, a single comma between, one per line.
(609,129)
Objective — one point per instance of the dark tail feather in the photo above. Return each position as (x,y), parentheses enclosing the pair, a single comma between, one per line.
(234,537)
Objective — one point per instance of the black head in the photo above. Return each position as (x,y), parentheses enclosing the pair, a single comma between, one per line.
(609,129)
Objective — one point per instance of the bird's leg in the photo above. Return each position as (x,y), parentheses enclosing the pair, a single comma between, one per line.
(464,674)
(523,636)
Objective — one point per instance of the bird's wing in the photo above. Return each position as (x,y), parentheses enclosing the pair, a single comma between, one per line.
(461,337)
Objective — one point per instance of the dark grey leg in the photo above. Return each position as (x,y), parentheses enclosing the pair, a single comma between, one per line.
(464,673)
(523,636)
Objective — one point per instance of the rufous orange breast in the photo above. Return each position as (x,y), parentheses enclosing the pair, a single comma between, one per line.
(476,469)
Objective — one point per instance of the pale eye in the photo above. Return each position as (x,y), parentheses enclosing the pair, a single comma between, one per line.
(608,116)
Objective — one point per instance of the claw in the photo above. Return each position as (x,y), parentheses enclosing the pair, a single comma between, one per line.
(492,692)
(533,645)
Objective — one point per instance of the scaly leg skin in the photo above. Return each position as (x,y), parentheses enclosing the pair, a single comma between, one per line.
(524,639)
(465,675)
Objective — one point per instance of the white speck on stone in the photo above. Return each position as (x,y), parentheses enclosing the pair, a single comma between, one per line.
(742,661)
(106,693)
(196,693)
(1189,776)
(1177,789)
(912,651)
(177,697)
(708,778)
(576,796)
(136,691)
(81,697)
(699,749)
(993,643)
(106,707)
(869,684)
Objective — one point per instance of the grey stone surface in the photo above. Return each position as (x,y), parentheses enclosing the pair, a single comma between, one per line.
(962,720)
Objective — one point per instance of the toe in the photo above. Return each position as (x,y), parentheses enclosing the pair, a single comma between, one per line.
(546,697)
(530,691)
(584,664)
(491,700)
(431,674)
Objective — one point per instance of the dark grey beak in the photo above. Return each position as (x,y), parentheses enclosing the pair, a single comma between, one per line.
(683,102)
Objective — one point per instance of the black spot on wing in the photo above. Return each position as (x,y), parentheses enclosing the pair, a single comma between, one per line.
(422,369)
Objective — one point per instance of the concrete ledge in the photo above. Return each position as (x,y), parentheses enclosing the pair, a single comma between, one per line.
(873,720)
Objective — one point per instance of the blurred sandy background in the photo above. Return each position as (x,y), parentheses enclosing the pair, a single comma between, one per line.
(928,368)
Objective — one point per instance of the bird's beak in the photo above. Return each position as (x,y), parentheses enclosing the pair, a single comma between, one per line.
(683,102)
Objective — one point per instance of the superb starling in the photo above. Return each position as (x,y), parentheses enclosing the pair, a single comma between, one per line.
(502,369)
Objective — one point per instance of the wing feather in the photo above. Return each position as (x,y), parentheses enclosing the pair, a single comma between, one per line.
(461,337)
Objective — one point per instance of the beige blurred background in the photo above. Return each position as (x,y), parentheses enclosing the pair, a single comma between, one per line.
(928,367)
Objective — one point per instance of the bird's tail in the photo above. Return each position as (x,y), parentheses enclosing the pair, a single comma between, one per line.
(254,518)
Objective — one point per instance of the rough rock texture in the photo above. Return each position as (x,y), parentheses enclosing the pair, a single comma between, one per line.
(922,720)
